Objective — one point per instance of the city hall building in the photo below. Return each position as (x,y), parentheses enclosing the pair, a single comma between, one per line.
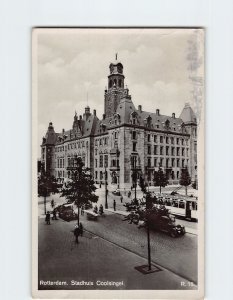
(125,140)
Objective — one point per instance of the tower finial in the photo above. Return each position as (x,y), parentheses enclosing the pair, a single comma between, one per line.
(116,56)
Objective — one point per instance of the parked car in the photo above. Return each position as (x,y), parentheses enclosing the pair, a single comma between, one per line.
(66,212)
(116,192)
(166,223)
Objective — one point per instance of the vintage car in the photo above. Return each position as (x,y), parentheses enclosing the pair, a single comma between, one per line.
(66,212)
(166,223)
(116,192)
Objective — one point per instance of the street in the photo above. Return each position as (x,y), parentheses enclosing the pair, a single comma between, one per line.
(178,255)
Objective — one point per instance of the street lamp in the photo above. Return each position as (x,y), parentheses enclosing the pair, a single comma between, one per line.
(148,207)
(106,191)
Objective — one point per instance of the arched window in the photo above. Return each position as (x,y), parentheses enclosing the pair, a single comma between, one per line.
(110,83)
(119,82)
(115,81)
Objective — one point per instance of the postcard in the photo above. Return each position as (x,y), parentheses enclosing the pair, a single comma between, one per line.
(118,163)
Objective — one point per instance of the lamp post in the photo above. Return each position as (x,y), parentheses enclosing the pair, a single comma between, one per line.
(106,191)
(148,207)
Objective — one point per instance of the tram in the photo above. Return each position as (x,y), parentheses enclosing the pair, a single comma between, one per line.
(179,205)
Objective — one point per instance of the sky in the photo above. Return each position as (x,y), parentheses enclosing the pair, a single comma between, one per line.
(163,69)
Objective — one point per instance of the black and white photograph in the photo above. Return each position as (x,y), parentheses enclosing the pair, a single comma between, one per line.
(118,162)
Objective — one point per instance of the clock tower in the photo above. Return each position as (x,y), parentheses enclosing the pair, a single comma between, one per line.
(116,89)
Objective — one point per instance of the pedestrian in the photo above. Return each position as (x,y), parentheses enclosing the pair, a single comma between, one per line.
(47,218)
(101,209)
(76,233)
(129,194)
(82,210)
(95,209)
(81,229)
(52,203)
(121,199)
(114,205)
(54,215)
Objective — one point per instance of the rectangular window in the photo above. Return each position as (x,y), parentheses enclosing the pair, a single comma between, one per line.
(101,161)
(182,151)
(100,141)
(105,161)
(155,162)
(155,138)
(172,140)
(96,163)
(134,147)
(173,151)
(173,162)
(149,149)
(148,137)
(167,140)
(177,141)
(96,174)
(187,152)
(167,162)
(105,141)
(182,163)
(161,162)
(134,135)
(177,151)
(161,150)
(161,139)
(149,162)
(178,163)
(182,141)
(155,150)
(167,150)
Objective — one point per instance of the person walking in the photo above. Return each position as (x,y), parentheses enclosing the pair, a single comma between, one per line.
(114,205)
(76,233)
(95,210)
(101,209)
(81,229)
(47,218)
(82,210)
(121,198)
(54,215)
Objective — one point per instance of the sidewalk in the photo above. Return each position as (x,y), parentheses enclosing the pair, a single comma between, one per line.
(94,260)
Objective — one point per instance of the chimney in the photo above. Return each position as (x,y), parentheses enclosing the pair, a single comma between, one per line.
(157,112)
(104,116)
(94,112)
(80,117)
(173,115)
(63,130)
(140,108)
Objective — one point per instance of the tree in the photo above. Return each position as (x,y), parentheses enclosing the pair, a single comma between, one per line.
(47,184)
(80,189)
(160,178)
(185,179)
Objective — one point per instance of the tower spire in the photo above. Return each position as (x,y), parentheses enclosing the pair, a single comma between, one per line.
(116,55)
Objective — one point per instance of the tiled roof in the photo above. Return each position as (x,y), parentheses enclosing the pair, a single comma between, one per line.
(187,114)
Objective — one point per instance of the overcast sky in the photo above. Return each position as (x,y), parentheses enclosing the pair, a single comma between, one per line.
(157,64)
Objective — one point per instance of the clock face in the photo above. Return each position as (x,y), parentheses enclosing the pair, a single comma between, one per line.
(111,68)
(119,69)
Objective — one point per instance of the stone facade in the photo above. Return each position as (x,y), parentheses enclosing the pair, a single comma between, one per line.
(124,140)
